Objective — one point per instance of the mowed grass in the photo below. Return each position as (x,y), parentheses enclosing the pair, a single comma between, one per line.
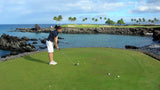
(137,71)
(109,26)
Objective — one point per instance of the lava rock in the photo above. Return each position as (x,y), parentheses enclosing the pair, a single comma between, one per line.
(60,38)
(34,43)
(143,32)
(13,43)
(33,39)
(5,56)
(14,53)
(44,40)
(156,35)
(131,47)
(37,27)
(25,38)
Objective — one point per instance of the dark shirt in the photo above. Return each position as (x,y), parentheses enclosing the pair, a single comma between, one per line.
(52,35)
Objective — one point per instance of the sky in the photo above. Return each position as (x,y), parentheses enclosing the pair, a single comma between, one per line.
(43,11)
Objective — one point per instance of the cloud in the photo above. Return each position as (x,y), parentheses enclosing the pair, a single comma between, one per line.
(64,6)
(146,6)
(36,11)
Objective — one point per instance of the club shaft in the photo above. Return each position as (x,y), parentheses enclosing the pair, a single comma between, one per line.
(67,57)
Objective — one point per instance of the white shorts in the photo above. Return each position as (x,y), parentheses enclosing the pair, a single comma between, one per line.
(50,46)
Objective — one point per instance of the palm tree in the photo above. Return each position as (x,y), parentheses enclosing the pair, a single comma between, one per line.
(137,21)
(83,20)
(93,19)
(152,21)
(96,20)
(70,19)
(132,20)
(155,19)
(100,18)
(60,17)
(105,18)
(149,20)
(143,19)
(86,19)
(140,20)
(55,19)
(74,18)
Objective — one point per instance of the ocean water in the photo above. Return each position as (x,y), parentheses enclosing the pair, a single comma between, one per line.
(78,40)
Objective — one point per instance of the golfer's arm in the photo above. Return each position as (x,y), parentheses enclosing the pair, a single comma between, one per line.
(55,42)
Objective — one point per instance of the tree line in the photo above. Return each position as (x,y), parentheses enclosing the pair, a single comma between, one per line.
(108,20)
(143,20)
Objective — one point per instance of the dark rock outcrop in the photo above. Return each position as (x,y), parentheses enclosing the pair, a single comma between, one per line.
(25,38)
(14,53)
(33,39)
(37,27)
(60,38)
(34,43)
(44,41)
(5,56)
(99,30)
(131,47)
(156,35)
(14,43)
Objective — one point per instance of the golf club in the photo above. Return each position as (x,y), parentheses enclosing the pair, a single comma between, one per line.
(76,64)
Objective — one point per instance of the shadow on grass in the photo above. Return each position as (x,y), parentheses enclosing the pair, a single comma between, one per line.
(29,58)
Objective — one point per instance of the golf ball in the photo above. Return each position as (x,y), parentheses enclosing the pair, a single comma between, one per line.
(118,76)
(109,74)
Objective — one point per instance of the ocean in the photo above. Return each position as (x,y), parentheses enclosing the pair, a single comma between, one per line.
(77,40)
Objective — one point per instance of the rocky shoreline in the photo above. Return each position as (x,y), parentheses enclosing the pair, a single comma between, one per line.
(155,32)
(19,55)
(150,50)
(21,45)
(100,30)
(15,44)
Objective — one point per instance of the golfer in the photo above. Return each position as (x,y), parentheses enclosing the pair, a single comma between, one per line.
(51,41)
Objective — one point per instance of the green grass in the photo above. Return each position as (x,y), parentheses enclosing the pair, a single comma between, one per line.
(137,71)
(95,26)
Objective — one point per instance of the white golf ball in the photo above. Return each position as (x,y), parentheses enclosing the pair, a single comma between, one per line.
(109,74)
(118,76)
(77,63)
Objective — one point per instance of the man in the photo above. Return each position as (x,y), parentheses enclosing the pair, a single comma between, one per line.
(51,41)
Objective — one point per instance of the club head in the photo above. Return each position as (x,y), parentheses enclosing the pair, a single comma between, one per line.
(76,64)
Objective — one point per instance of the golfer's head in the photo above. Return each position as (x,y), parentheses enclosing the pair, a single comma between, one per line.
(58,28)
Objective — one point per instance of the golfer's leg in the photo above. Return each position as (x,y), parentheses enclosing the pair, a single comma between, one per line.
(50,50)
(51,57)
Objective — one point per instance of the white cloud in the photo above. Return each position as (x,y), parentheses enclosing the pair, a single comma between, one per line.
(147,6)
(64,6)
(36,10)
